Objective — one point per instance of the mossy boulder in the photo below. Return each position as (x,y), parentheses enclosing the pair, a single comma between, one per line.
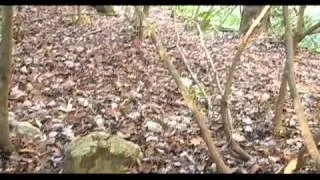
(100,152)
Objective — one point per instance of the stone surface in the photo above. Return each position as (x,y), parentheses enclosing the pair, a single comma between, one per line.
(153,126)
(100,152)
(27,129)
(24,128)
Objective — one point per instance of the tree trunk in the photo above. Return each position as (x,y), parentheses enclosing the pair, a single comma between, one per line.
(139,17)
(78,14)
(227,91)
(5,72)
(289,74)
(299,28)
(279,130)
(194,108)
(146,10)
(108,10)
(249,13)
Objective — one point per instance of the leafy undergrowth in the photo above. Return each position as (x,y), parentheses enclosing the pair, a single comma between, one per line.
(70,80)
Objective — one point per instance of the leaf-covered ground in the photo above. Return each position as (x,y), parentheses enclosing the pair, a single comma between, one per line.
(70,79)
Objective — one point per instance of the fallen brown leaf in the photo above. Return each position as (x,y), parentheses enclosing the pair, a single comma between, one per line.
(291,166)
(196,141)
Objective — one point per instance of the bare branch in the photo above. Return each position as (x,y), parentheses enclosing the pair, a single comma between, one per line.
(236,59)
(209,103)
(309,31)
(278,126)
(228,123)
(225,18)
(209,58)
(199,116)
(289,73)
(300,21)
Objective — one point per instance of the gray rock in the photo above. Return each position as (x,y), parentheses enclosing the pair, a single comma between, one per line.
(153,126)
(100,152)
(178,122)
(27,129)
(186,119)
(24,128)
(172,124)
(181,127)
(248,129)
(247,120)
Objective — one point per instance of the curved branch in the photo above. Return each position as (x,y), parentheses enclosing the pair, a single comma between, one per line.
(236,59)
(199,116)
(309,31)
(201,87)
(289,73)
(300,21)
(227,123)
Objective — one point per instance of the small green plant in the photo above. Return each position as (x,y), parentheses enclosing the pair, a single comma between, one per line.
(211,16)
(194,90)
(312,42)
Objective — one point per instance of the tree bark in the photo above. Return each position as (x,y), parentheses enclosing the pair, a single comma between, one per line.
(5,73)
(279,130)
(146,10)
(199,116)
(250,13)
(301,159)
(78,14)
(289,73)
(227,91)
(299,28)
(195,109)
(140,17)
(108,10)
(299,34)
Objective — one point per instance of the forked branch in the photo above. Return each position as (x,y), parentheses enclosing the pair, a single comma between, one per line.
(227,91)
(195,79)
(289,73)
(309,31)
(227,125)
(199,116)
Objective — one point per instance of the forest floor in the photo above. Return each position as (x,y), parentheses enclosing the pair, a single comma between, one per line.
(67,78)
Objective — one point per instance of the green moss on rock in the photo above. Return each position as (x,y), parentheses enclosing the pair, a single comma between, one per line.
(100,152)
